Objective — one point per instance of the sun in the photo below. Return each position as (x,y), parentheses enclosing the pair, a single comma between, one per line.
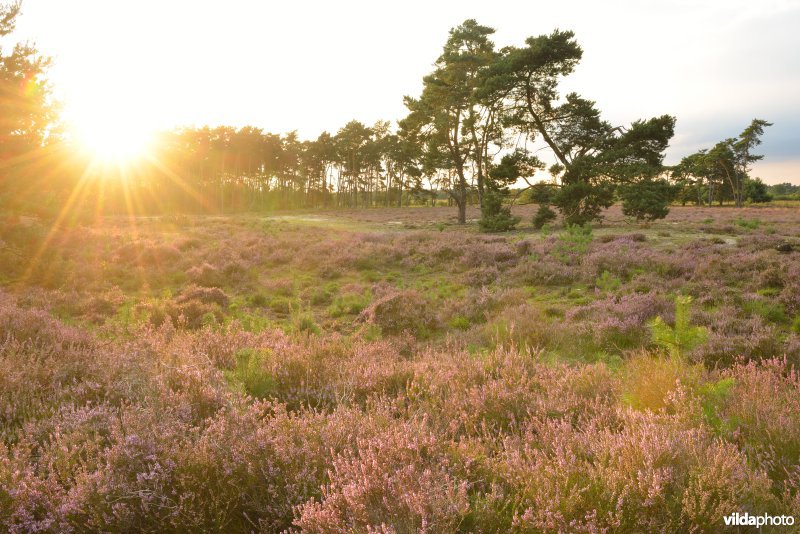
(112,138)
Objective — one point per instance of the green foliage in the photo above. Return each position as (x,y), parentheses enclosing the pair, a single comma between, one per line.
(543,216)
(682,337)
(322,295)
(748,224)
(592,155)
(513,166)
(281,305)
(304,322)
(349,304)
(459,322)
(770,310)
(582,202)
(796,325)
(574,240)
(250,373)
(259,300)
(713,396)
(607,282)
(495,217)
(647,199)
(784,191)
(755,190)
(26,110)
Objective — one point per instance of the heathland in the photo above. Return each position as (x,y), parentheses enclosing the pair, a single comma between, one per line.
(387,370)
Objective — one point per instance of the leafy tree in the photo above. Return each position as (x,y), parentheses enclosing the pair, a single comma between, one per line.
(351,149)
(755,190)
(593,156)
(26,111)
(784,190)
(725,167)
(692,177)
(647,199)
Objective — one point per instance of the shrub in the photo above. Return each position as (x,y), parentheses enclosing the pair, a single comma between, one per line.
(401,311)
(681,338)
(349,304)
(304,322)
(574,241)
(259,300)
(281,305)
(607,282)
(250,373)
(494,216)
(748,224)
(206,295)
(544,215)
(649,380)
(400,481)
(205,275)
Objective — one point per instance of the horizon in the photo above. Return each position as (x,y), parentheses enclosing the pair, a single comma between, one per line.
(346,66)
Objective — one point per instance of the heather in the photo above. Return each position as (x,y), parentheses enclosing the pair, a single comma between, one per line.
(390,371)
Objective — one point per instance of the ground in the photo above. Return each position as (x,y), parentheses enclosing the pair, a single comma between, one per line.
(389,369)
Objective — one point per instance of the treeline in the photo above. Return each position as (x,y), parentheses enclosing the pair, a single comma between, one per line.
(475,130)
(723,172)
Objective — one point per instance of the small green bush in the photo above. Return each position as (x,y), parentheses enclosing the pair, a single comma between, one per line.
(544,215)
(250,374)
(607,282)
(771,311)
(748,224)
(494,216)
(459,322)
(575,240)
(683,337)
(348,304)
(259,300)
(796,325)
(304,322)
(281,305)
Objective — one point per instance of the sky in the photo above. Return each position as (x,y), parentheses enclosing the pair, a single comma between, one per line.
(313,66)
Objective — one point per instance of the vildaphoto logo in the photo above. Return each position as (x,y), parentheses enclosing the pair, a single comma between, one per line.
(758,521)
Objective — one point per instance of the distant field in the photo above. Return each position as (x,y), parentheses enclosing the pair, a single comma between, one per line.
(387,370)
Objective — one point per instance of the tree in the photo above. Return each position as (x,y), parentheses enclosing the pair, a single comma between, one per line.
(755,190)
(592,156)
(692,177)
(26,112)
(647,199)
(743,156)
(495,217)
(449,116)
(726,166)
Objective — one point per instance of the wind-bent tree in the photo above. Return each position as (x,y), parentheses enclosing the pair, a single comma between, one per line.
(592,155)
(742,149)
(456,125)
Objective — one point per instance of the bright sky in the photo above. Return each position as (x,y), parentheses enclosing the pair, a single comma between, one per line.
(313,66)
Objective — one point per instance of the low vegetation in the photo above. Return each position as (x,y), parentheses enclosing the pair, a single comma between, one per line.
(348,374)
